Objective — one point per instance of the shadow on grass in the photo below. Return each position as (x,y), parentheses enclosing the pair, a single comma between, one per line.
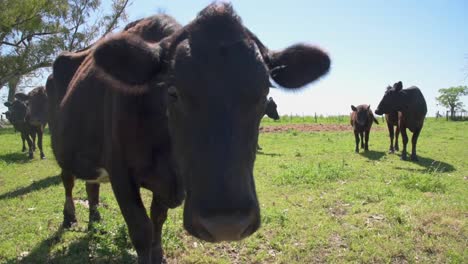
(372,154)
(429,165)
(83,250)
(269,154)
(15,157)
(36,185)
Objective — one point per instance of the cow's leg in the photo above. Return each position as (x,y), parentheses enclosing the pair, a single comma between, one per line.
(390,132)
(33,138)
(414,141)
(362,138)
(30,144)
(39,141)
(69,217)
(356,136)
(92,189)
(397,133)
(23,139)
(158,216)
(128,197)
(366,133)
(404,137)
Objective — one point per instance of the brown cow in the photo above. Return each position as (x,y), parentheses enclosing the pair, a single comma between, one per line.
(361,120)
(175,110)
(28,114)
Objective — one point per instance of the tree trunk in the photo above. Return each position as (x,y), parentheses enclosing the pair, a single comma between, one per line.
(12,86)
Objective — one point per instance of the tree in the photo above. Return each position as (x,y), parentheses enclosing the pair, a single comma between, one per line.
(33,32)
(450,98)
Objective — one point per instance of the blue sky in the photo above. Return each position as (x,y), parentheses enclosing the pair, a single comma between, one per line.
(371,44)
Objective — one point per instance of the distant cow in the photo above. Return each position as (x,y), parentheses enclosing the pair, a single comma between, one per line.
(271,111)
(361,120)
(412,108)
(392,121)
(175,110)
(28,115)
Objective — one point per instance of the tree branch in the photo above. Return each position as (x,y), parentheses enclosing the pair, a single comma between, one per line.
(116,18)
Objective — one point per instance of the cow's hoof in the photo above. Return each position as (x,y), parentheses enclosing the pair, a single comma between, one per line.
(23,150)
(94,216)
(414,158)
(357,151)
(31,155)
(397,149)
(157,255)
(403,157)
(68,223)
(391,151)
(42,156)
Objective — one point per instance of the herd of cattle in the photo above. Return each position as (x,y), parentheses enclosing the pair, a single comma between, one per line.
(176,110)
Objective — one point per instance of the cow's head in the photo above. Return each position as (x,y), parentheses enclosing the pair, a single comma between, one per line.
(36,101)
(362,114)
(391,101)
(270,109)
(17,111)
(215,74)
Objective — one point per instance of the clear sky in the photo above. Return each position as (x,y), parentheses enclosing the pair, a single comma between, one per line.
(371,44)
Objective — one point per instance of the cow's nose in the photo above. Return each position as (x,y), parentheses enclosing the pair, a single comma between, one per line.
(228,226)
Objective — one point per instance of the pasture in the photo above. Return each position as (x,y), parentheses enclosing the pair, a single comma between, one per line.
(320,202)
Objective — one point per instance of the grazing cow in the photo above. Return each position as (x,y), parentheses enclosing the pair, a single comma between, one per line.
(412,109)
(392,121)
(175,110)
(361,120)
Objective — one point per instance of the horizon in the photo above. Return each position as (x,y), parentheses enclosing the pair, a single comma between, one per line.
(371,44)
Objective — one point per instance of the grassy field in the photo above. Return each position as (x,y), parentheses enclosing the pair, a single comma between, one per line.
(320,202)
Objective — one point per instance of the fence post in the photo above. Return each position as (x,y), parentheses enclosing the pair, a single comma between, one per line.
(315,116)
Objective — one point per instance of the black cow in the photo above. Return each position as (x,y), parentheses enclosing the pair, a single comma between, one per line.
(361,119)
(28,115)
(175,110)
(271,111)
(412,109)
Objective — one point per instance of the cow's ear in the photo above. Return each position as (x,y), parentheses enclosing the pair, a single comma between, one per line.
(128,59)
(22,97)
(298,65)
(353,108)
(398,86)
(7,104)
(368,107)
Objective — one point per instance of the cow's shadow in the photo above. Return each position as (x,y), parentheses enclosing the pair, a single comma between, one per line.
(431,165)
(259,152)
(80,251)
(15,157)
(36,185)
(372,154)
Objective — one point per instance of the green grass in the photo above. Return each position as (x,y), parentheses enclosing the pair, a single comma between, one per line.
(320,202)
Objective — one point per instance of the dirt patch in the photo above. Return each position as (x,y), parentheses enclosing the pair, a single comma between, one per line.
(309,128)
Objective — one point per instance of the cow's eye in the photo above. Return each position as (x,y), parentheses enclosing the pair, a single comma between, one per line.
(172,92)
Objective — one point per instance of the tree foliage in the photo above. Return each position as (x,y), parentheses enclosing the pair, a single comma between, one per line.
(33,32)
(450,98)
